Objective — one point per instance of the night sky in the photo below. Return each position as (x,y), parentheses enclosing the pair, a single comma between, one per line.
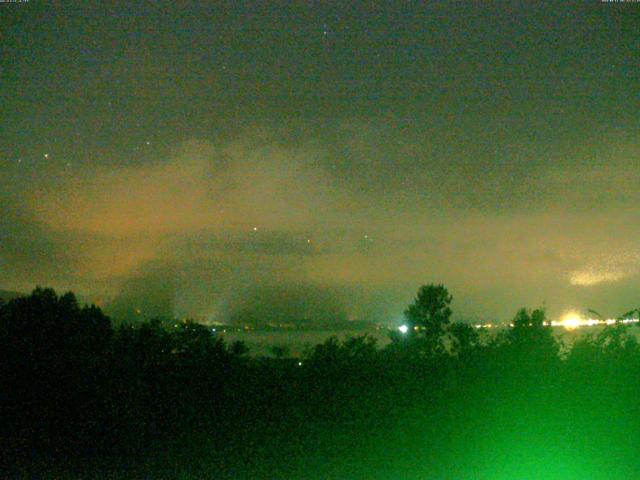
(253,161)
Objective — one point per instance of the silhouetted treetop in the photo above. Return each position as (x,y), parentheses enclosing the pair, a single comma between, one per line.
(532,338)
(46,323)
(428,317)
(430,310)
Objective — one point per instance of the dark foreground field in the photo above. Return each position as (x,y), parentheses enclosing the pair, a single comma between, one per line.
(81,400)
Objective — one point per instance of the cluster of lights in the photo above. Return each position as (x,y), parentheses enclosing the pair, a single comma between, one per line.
(570,321)
(573,320)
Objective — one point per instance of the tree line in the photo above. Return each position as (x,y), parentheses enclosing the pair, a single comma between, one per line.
(80,397)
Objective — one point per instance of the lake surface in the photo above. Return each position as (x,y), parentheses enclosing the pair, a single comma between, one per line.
(299,341)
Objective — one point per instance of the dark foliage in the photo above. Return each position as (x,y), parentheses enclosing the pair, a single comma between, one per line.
(429,315)
(81,400)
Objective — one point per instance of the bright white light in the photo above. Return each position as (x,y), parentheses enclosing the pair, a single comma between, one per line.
(572,320)
(403,329)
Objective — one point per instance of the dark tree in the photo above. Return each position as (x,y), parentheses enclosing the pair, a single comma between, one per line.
(280,351)
(532,338)
(327,353)
(361,348)
(239,348)
(524,319)
(51,365)
(430,314)
(196,344)
(464,338)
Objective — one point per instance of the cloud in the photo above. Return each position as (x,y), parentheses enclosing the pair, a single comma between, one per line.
(587,278)
(607,269)
(269,218)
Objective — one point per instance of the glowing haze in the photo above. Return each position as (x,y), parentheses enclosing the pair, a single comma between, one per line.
(316,164)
